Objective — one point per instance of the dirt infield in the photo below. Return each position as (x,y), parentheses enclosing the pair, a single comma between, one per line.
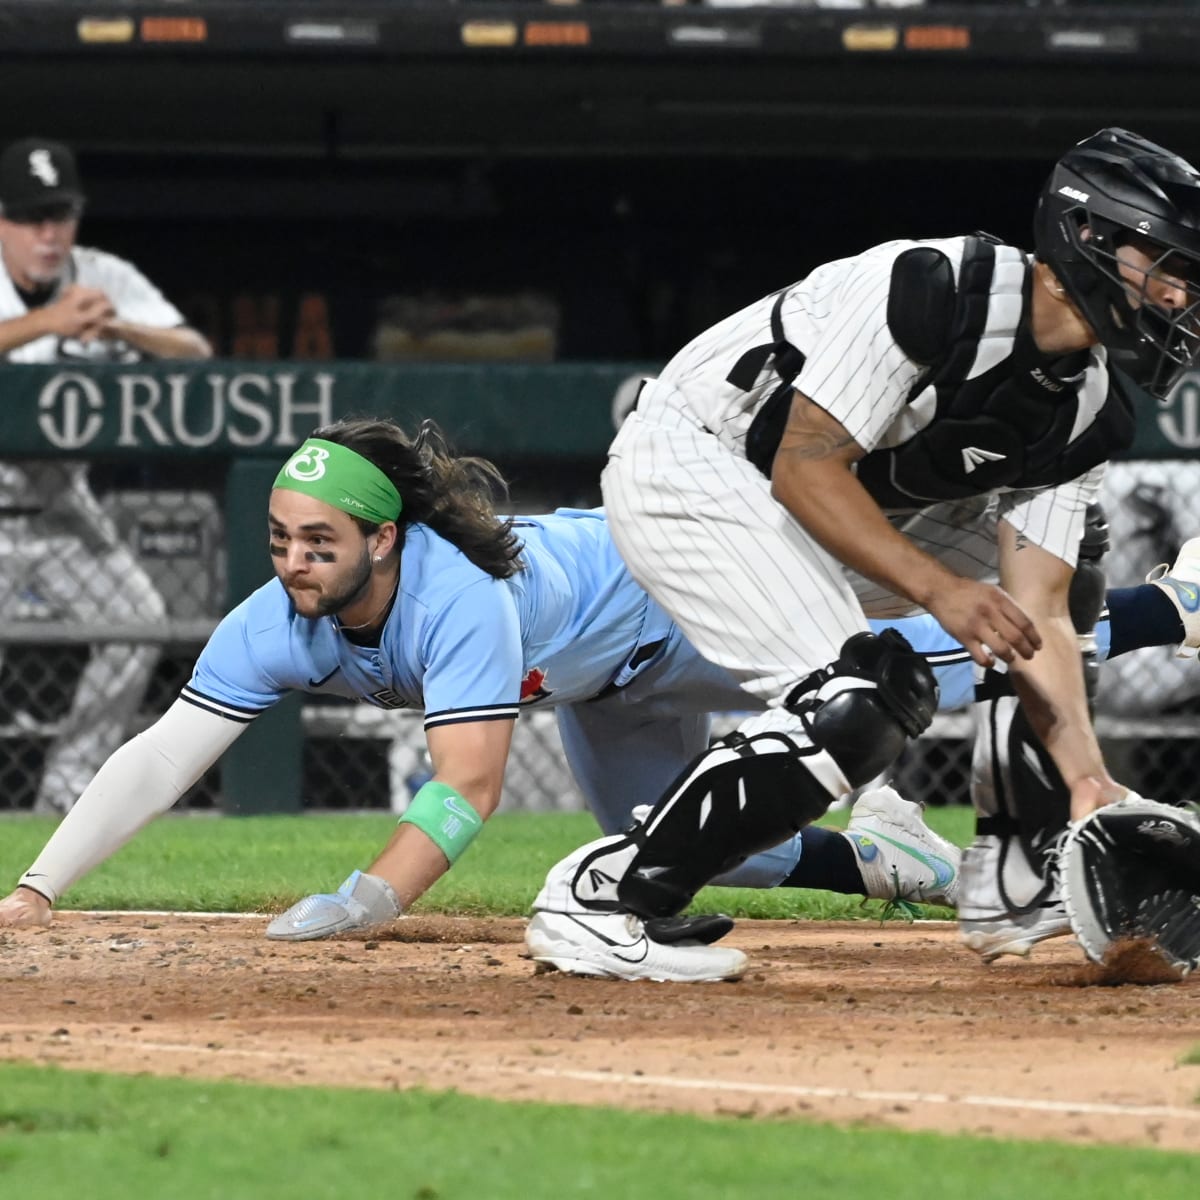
(893,1026)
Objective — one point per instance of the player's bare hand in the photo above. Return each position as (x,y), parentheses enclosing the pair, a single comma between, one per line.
(25,908)
(988,622)
(1095,791)
(80,312)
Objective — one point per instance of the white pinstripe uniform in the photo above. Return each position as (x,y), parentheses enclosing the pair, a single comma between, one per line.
(696,522)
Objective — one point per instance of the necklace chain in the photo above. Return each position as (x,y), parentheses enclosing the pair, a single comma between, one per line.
(374,617)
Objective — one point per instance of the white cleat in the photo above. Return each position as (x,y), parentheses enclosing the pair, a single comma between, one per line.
(1180,583)
(900,858)
(362,902)
(1029,912)
(617,946)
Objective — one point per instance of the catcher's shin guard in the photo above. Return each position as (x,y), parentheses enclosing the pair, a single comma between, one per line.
(751,793)
(738,797)
(1015,786)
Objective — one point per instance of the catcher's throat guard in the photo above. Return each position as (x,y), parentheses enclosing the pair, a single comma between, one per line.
(1130,871)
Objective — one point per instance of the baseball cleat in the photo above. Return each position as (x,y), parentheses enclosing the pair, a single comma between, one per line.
(899,857)
(1014,933)
(1180,583)
(617,946)
(362,902)
(1029,910)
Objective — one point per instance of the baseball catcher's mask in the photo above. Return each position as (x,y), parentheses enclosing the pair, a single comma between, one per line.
(1114,190)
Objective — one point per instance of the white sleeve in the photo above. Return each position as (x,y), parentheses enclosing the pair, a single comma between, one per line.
(134,297)
(1053,518)
(139,782)
(854,370)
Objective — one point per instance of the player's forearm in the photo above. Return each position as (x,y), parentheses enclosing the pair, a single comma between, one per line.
(827,499)
(180,342)
(139,782)
(1051,689)
(22,330)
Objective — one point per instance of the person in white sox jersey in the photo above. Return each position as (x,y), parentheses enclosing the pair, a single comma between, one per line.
(60,302)
(920,427)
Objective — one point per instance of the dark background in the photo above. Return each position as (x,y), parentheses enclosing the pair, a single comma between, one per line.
(646,188)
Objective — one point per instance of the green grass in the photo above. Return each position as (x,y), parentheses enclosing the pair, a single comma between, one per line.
(113,1137)
(1191,1058)
(259,864)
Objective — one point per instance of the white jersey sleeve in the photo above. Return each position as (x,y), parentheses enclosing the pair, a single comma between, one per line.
(134,297)
(1053,518)
(853,368)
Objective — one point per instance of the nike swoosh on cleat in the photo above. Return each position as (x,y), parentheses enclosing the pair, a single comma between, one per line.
(641,944)
(1188,594)
(943,872)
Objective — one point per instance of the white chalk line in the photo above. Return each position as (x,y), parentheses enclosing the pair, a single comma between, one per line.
(744,1087)
(165,912)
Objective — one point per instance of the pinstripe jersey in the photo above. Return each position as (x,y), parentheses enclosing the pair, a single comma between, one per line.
(695,519)
(136,299)
(854,369)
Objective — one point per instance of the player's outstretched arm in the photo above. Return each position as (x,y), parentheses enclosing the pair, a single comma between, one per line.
(139,782)
(440,822)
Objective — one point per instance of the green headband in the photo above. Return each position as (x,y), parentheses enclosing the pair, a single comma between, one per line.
(342,477)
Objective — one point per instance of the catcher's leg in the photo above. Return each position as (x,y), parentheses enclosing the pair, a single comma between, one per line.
(738,798)
(1009,898)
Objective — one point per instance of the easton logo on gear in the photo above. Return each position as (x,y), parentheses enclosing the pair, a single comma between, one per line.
(533,686)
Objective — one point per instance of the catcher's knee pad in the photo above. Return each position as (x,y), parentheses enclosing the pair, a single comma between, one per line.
(737,798)
(862,708)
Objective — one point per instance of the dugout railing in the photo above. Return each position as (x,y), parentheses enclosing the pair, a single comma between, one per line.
(183,458)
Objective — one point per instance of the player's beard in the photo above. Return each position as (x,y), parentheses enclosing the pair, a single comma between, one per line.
(329,603)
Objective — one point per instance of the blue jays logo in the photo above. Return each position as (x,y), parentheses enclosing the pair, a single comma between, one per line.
(533,686)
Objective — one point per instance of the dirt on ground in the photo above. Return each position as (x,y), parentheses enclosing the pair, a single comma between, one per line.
(892,1025)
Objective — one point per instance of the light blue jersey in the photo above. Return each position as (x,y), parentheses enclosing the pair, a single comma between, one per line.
(458,644)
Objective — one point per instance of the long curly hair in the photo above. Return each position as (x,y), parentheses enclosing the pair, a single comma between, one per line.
(454,496)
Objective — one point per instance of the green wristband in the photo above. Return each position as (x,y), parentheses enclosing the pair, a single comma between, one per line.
(445,817)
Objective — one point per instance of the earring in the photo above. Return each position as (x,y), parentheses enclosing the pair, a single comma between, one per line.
(378,558)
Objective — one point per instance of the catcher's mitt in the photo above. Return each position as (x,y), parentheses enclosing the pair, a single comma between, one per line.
(1131,872)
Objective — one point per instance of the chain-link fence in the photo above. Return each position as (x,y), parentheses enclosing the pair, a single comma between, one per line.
(104,612)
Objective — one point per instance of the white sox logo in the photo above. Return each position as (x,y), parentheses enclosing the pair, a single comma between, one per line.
(42,167)
(307,464)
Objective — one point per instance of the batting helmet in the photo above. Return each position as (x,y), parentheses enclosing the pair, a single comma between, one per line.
(1111,190)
